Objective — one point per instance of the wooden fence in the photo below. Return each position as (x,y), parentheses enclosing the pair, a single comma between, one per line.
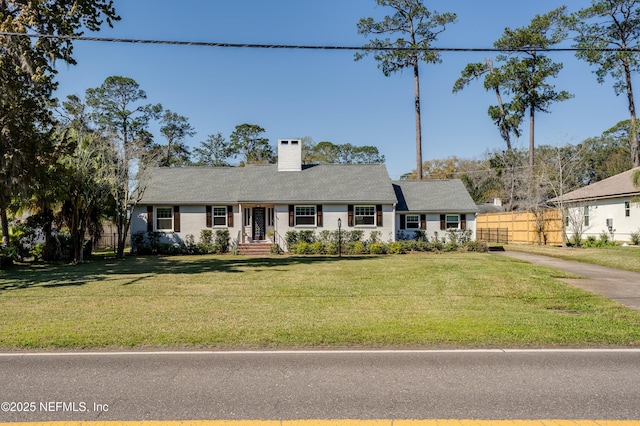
(520,227)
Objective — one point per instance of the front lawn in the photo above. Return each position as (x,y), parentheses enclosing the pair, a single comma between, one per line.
(422,300)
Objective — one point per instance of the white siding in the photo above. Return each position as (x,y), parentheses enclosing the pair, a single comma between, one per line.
(600,211)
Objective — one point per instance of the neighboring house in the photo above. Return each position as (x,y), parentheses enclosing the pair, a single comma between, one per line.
(260,202)
(610,206)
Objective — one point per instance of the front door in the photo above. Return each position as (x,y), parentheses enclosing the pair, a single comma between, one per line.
(259,223)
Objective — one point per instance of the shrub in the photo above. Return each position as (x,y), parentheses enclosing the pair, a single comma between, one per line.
(275,249)
(358,247)
(303,247)
(420,235)
(331,248)
(374,237)
(396,247)
(291,237)
(206,246)
(317,248)
(377,248)
(7,254)
(307,236)
(222,241)
(353,236)
(476,246)
(635,237)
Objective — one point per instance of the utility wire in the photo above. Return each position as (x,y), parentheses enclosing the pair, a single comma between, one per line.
(304,47)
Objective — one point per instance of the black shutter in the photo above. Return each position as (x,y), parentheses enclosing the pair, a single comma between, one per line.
(463,221)
(149,218)
(176,218)
(350,216)
(209,223)
(319,215)
(443,223)
(423,221)
(230,216)
(292,217)
(379,215)
(403,221)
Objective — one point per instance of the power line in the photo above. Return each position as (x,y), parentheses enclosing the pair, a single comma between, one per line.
(303,47)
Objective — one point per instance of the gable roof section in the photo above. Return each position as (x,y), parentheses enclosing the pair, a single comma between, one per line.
(618,186)
(434,196)
(327,183)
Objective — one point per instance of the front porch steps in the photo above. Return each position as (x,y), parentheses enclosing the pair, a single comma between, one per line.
(255,249)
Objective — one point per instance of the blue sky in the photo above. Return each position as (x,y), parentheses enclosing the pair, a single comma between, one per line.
(326,95)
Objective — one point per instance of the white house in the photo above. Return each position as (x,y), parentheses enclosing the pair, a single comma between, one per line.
(609,206)
(257,201)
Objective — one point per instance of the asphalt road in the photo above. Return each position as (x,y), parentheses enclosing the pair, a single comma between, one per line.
(492,384)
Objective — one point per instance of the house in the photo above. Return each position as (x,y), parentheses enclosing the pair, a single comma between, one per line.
(259,202)
(609,206)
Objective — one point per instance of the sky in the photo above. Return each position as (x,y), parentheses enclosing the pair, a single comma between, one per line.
(325,94)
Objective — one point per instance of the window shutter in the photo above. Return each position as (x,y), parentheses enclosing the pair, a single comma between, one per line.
(292,217)
(463,221)
(209,223)
(176,218)
(379,215)
(149,218)
(423,221)
(230,216)
(350,216)
(443,223)
(403,221)
(319,215)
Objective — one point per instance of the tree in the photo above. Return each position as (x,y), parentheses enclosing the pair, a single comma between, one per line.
(421,28)
(504,115)
(175,129)
(247,142)
(27,81)
(330,153)
(524,71)
(213,152)
(118,113)
(88,191)
(608,37)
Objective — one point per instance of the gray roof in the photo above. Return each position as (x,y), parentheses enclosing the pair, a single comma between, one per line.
(327,183)
(434,196)
(618,186)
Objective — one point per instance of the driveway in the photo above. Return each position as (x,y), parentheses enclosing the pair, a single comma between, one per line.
(621,286)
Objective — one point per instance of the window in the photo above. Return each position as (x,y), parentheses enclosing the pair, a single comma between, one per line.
(305,215)
(627,209)
(164,221)
(452,221)
(270,216)
(247,217)
(365,215)
(219,216)
(413,221)
(586,216)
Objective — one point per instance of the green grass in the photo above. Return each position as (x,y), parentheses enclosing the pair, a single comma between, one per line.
(626,258)
(425,300)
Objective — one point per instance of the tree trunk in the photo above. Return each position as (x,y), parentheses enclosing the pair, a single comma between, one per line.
(5,227)
(416,83)
(633,136)
(532,112)
(531,136)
